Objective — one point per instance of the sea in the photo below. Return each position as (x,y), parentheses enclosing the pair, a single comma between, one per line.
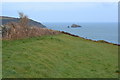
(94,31)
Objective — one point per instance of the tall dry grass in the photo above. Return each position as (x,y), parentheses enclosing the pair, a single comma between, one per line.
(15,31)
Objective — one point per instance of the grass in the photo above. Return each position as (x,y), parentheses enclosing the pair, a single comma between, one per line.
(59,56)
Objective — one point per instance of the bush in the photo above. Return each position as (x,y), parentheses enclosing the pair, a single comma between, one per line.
(102,41)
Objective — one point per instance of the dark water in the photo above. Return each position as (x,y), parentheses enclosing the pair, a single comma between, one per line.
(94,31)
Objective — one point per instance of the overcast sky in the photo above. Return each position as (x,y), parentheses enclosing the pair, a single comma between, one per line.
(64,11)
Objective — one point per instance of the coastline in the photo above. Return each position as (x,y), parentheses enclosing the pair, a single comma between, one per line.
(95,31)
(103,41)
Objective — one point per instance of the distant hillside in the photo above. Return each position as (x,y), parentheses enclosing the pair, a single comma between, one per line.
(6,20)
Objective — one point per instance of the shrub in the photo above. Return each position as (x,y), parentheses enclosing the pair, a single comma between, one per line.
(102,41)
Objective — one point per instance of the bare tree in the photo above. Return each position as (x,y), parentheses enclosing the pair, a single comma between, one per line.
(23,20)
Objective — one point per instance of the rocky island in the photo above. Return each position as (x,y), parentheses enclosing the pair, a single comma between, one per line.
(75,25)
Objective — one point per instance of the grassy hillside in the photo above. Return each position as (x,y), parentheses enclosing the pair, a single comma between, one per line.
(59,56)
(6,20)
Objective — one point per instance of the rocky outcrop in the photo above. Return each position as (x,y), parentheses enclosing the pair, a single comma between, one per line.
(75,25)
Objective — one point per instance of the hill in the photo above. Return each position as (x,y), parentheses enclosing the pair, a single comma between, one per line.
(6,20)
(58,56)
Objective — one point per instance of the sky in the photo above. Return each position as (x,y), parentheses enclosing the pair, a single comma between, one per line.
(63,11)
(60,0)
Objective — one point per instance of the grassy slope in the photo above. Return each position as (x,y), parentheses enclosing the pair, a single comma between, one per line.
(59,56)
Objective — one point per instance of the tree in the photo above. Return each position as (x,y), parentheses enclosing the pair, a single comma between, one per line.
(23,20)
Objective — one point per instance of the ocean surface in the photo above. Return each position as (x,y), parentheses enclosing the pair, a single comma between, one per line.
(94,31)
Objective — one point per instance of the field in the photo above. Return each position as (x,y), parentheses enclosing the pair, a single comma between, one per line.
(59,56)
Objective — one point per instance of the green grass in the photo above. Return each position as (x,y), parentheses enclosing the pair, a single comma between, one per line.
(59,56)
